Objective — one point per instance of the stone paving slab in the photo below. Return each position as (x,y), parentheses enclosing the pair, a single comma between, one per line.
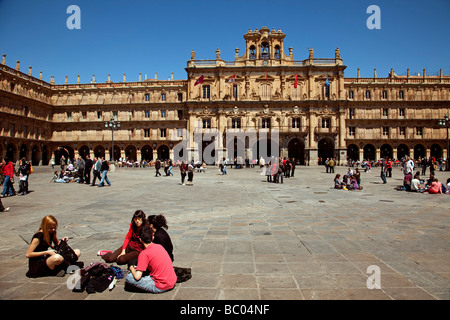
(244,238)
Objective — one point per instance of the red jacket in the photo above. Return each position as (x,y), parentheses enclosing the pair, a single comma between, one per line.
(8,170)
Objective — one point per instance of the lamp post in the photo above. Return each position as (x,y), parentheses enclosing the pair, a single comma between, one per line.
(445,123)
(113,125)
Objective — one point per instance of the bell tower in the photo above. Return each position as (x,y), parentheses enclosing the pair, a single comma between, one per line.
(263,45)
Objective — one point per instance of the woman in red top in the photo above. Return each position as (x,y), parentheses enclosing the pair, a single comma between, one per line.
(435,187)
(8,172)
(132,245)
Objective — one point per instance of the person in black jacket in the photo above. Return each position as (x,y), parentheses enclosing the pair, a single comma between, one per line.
(87,169)
(160,236)
(104,171)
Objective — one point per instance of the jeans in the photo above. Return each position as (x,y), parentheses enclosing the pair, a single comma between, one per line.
(146,283)
(224,170)
(104,177)
(7,186)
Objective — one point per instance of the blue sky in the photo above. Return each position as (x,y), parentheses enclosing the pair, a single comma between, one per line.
(138,36)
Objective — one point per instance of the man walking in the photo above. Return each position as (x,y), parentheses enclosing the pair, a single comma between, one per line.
(96,171)
(87,169)
(157,167)
(104,169)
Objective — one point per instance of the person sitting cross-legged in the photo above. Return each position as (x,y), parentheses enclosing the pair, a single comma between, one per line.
(154,272)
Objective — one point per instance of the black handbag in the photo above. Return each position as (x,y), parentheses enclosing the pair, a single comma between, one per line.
(66,252)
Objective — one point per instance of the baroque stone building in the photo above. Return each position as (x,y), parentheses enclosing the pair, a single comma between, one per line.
(263,103)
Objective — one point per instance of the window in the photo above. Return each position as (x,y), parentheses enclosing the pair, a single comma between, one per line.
(84,115)
(351,94)
(180,97)
(327,91)
(385,131)
(147,133)
(163,97)
(384,94)
(206,92)
(69,115)
(368,94)
(206,123)
(295,122)
(163,113)
(235,92)
(12,129)
(147,113)
(325,123)
(419,131)
(265,124)
(115,114)
(25,131)
(147,97)
(180,132)
(401,94)
(401,112)
(180,114)
(385,112)
(351,131)
(162,133)
(351,113)
(99,114)
(401,131)
(236,123)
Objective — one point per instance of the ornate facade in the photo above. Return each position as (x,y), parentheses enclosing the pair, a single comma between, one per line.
(307,106)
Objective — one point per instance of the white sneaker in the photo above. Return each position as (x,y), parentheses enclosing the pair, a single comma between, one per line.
(6,209)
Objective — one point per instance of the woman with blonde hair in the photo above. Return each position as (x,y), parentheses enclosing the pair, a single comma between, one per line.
(42,260)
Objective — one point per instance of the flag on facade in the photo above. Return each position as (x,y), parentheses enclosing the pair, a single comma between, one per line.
(199,80)
(327,81)
(295,83)
(232,79)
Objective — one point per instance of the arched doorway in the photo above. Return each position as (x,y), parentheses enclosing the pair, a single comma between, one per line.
(402,151)
(263,148)
(296,150)
(436,151)
(419,151)
(34,155)
(130,153)
(369,152)
(116,153)
(99,152)
(147,153)
(64,151)
(353,152)
(386,151)
(325,149)
(23,152)
(44,156)
(83,152)
(163,152)
(11,151)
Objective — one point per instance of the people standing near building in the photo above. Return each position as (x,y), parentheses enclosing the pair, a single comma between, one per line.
(183,172)
(104,170)
(157,167)
(87,169)
(224,166)
(292,167)
(155,260)
(389,168)
(23,173)
(80,168)
(331,164)
(96,170)
(383,171)
(8,174)
(190,172)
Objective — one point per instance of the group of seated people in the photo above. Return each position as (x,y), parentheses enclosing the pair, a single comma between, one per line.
(350,181)
(65,176)
(432,185)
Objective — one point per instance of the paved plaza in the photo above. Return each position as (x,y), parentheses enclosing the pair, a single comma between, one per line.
(244,238)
